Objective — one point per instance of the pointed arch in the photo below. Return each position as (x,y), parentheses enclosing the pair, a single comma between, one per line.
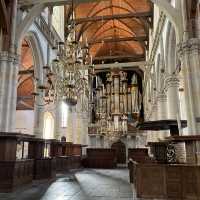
(48,131)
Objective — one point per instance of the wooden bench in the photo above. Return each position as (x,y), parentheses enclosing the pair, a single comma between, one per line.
(175,181)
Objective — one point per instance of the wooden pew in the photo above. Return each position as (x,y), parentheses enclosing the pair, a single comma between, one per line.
(44,166)
(100,158)
(14,171)
(139,154)
(177,181)
(67,155)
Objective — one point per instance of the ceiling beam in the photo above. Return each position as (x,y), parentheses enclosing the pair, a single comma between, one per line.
(123,65)
(28,71)
(52,2)
(118,57)
(111,17)
(26,97)
(123,39)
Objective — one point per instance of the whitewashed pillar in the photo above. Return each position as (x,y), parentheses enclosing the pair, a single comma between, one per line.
(8,90)
(172,85)
(39,113)
(69,127)
(58,120)
(162,113)
(189,53)
(154,117)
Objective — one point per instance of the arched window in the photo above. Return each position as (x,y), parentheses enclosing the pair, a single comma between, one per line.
(48,132)
(64,113)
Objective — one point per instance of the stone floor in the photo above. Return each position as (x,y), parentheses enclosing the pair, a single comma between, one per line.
(88,184)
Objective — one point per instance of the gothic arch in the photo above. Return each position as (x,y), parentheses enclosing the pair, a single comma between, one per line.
(157,70)
(38,57)
(26,23)
(174,15)
(168,28)
(171,51)
(31,59)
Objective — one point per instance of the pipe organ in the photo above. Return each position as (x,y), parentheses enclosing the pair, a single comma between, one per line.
(117,100)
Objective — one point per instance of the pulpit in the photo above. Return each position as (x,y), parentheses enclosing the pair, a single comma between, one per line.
(192,147)
(159,149)
(167,180)
(159,125)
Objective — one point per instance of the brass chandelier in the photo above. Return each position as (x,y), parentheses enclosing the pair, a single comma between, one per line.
(67,78)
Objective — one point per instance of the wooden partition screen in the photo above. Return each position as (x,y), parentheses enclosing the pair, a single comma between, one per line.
(100,158)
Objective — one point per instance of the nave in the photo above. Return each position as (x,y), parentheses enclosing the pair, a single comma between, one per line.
(99,84)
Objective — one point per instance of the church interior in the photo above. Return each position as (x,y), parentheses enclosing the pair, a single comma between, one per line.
(99,99)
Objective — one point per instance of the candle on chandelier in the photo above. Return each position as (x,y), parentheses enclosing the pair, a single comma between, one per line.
(91,60)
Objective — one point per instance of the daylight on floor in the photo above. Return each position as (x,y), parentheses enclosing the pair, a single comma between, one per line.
(99,99)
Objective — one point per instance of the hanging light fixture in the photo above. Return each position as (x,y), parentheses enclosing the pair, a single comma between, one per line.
(66,78)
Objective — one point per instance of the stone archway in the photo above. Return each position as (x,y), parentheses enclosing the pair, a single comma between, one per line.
(120,148)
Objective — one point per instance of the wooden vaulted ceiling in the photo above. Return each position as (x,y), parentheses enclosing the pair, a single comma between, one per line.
(25,100)
(116,30)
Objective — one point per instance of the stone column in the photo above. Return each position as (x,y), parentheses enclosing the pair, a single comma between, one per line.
(84,129)
(79,129)
(154,116)
(162,106)
(8,90)
(162,113)
(189,53)
(74,126)
(172,84)
(69,127)
(58,119)
(13,97)
(39,112)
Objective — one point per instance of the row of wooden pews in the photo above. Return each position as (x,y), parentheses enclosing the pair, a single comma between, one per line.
(161,178)
(24,158)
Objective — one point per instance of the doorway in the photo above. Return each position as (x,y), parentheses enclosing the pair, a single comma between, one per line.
(120,148)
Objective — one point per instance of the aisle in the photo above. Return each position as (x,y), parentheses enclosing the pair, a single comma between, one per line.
(83,185)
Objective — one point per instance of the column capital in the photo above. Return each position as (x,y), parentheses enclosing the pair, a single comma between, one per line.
(190,46)
(171,81)
(9,57)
